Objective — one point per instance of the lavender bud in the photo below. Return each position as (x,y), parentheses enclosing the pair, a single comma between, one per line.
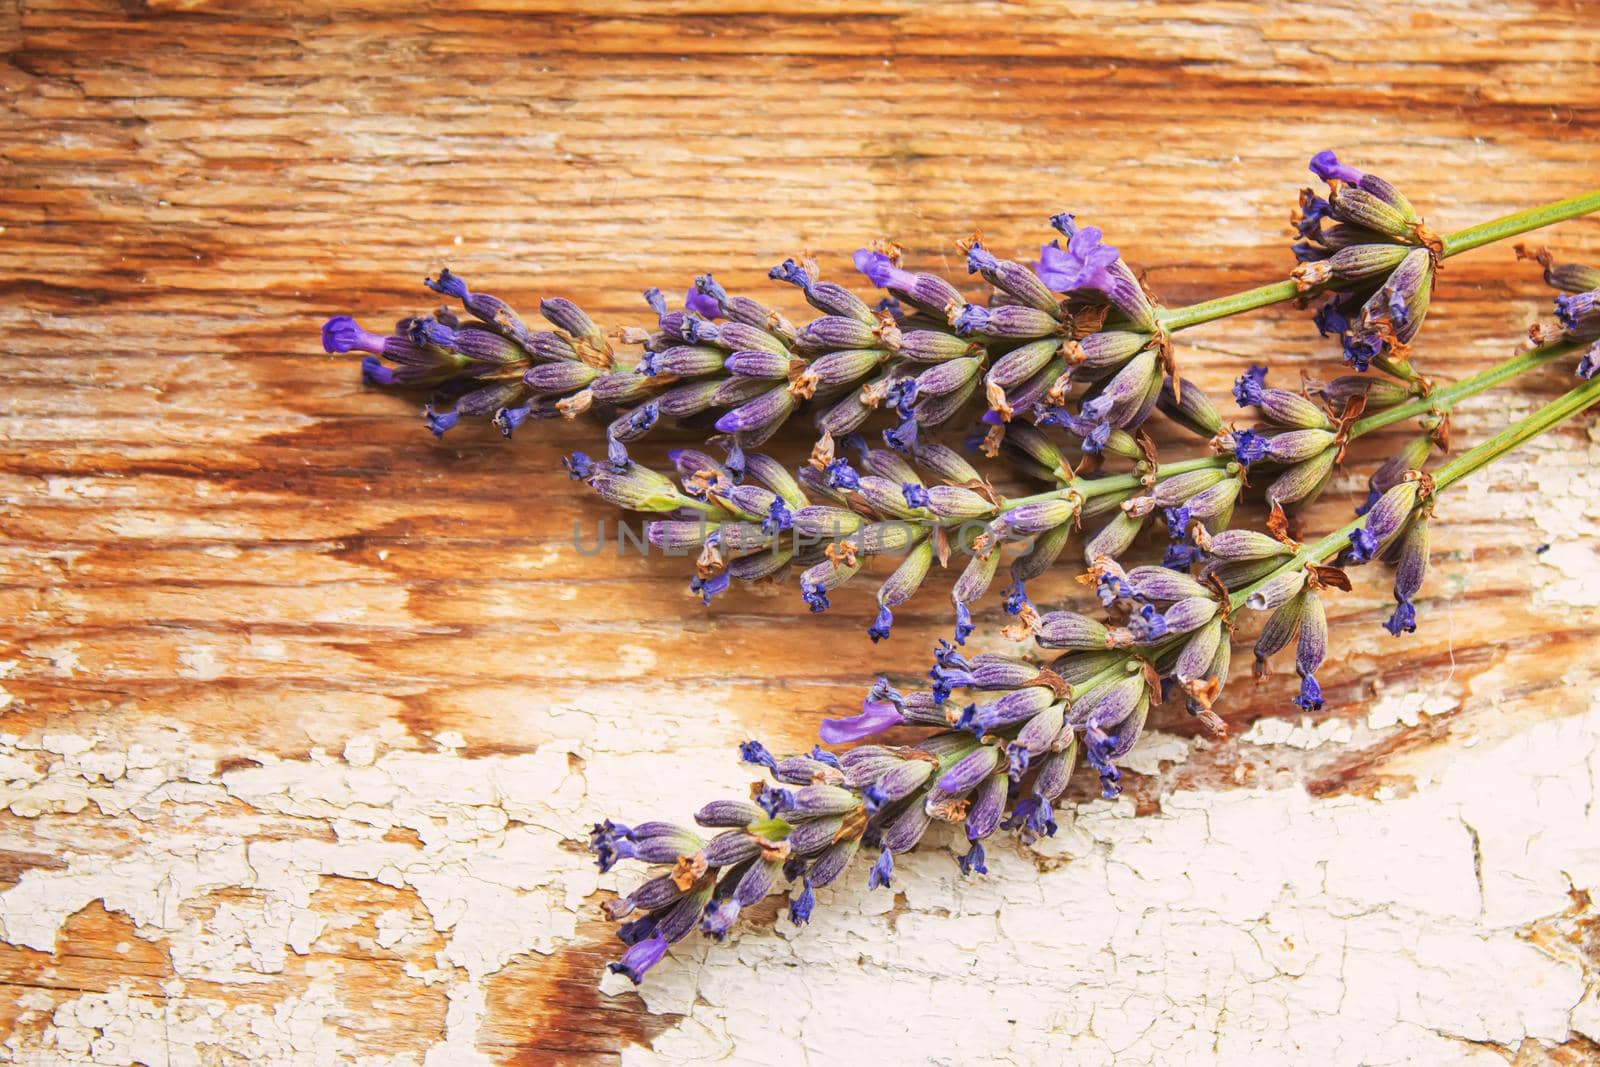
(1022,363)
(622,387)
(833,861)
(1359,207)
(1216,500)
(752,363)
(1245,545)
(1075,668)
(736,391)
(845,366)
(759,417)
(1303,482)
(936,410)
(813,835)
(887,538)
(1384,521)
(741,337)
(684,361)
(551,378)
(739,813)
(1199,652)
(1032,444)
(1312,649)
(1191,408)
(944,463)
(1172,491)
(975,579)
(1364,262)
(1410,570)
(970,770)
(1406,294)
(1107,349)
(550,347)
(834,332)
(953,502)
(831,299)
(734,846)
(632,486)
(816,801)
(885,496)
(944,378)
(891,465)
(1056,771)
(1012,708)
(1009,321)
(1039,516)
(1380,393)
(1239,573)
(935,346)
(1047,548)
(908,577)
(988,803)
(1114,538)
(1042,729)
(1190,613)
(1278,590)
(906,830)
(992,672)
(565,315)
(1281,627)
(1298,445)
(1104,706)
(1389,474)
(822,578)
(678,536)
(1012,278)
(1125,394)
(827,523)
(1068,629)
(843,417)
(903,779)
(1163,584)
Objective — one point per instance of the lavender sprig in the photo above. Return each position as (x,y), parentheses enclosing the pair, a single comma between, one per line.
(1077,330)
(1577,310)
(1004,759)
(855,503)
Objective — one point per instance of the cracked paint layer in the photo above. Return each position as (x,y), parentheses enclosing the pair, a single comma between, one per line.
(1229,925)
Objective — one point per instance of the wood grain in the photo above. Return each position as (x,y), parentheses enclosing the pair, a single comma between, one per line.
(216,541)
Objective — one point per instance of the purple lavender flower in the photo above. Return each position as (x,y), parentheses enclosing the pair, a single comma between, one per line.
(1325,165)
(1411,568)
(1083,265)
(1312,649)
(883,271)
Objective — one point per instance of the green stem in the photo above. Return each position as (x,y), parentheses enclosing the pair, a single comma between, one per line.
(1474,459)
(1440,401)
(1518,222)
(1447,397)
(1181,318)
(1552,414)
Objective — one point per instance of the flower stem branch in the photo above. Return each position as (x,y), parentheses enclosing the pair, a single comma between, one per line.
(1516,223)
(1469,462)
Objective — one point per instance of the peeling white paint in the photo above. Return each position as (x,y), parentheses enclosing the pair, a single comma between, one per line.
(1303,733)
(1230,927)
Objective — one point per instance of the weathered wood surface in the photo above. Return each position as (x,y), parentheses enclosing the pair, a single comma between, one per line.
(304,713)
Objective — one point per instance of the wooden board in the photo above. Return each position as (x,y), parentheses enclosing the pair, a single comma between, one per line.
(305,712)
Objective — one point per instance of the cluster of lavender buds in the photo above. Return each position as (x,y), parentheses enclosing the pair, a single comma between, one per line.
(746,518)
(1366,242)
(1577,310)
(1063,363)
(1080,323)
(1002,755)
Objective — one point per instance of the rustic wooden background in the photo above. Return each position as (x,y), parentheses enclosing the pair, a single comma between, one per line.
(303,710)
